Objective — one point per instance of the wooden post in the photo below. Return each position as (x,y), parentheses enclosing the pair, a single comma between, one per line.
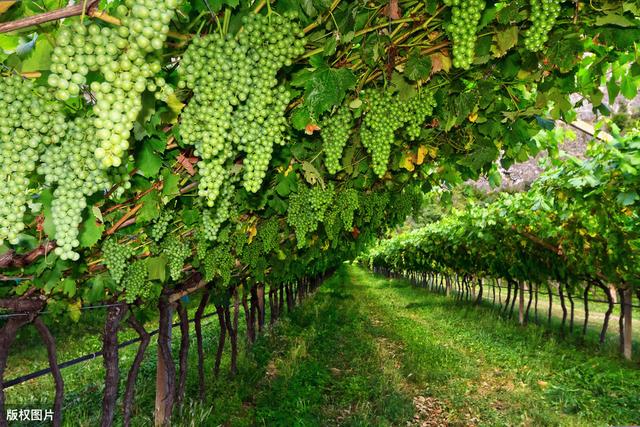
(163,388)
(627,303)
(521,304)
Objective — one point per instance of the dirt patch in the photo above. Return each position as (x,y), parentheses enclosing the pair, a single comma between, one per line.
(272,370)
(429,413)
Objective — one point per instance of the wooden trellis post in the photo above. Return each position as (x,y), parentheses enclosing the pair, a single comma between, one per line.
(164,388)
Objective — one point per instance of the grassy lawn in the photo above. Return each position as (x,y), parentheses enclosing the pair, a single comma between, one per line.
(367,351)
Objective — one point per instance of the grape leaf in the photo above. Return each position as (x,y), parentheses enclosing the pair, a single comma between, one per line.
(614,19)
(311,174)
(68,287)
(170,184)
(157,268)
(216,5)
(5,5)
(148,162)
(39,58)
(300,118)
(326,87)
(504,40)
(90,231)
(628,87)
(418,67)
(150,207)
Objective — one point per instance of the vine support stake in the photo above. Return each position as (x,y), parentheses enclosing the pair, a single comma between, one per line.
(165,370)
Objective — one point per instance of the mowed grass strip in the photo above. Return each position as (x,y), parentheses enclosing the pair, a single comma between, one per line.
(490,371)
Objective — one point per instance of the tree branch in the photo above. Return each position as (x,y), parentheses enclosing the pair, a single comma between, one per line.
(54,15)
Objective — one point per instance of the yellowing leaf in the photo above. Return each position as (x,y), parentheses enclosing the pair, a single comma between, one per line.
(74,310)
(288,171)
(174,103)
(473,117)
(433,152)
(5,5)
(407,162)
(311,174)
(252,230)
(523,74)
(422,152)
(440,62)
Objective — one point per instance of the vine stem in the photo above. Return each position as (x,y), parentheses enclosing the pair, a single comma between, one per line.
(125,217)
(318,21)
(54,15)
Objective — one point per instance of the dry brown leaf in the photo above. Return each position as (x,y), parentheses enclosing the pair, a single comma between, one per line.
(440,62)
(393,10)
(311,128)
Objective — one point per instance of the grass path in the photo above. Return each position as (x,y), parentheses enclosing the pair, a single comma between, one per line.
(367,351)
(492,372)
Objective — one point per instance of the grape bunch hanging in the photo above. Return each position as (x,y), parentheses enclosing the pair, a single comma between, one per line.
(30,121)
(386,114)
(544,14)
(74,172)
(306,208)
(335,134)
(238,104)
(128,57)
(465,16)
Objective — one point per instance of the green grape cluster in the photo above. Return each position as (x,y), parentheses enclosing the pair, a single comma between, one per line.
(306,208)
(128,58)
(335,134)
(219,262)
(135,282)
(177,251)
(159,228)
(300,217)
(419,108)
(544,14)
(72,169)
(372,207)
(212,219)
(30,121)
(269,234)
(115,257)
(465,16)
(202,245)
(378,128)
(238,104)
(347,203)
(386,114)
(320,199)
(333,225)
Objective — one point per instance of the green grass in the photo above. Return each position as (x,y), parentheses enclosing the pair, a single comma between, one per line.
(367,351)
(490,371)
